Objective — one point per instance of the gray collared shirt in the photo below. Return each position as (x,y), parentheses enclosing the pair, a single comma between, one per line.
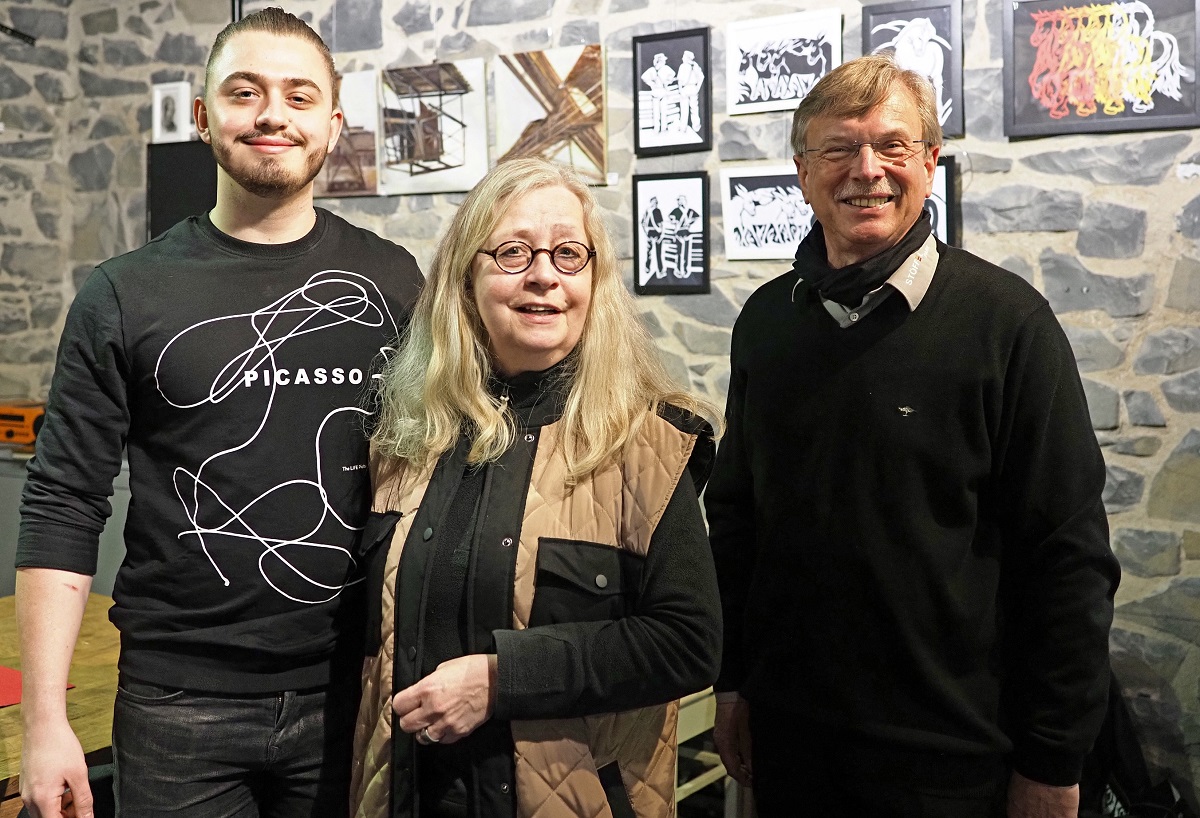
(911,279)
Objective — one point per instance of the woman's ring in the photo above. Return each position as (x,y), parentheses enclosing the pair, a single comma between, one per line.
(425,738)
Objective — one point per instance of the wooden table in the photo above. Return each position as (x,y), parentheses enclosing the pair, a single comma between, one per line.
(89,703)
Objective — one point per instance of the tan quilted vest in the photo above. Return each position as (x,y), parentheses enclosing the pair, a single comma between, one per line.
(556,760)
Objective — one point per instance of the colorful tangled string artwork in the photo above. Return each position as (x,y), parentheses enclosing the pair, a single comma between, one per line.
(1102,56)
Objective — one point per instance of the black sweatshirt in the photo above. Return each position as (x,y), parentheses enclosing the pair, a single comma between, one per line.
(907,525)
(232,373)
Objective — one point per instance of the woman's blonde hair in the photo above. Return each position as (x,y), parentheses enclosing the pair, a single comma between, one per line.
(435,388)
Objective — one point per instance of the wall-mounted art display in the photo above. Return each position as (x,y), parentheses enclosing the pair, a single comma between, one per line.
(1074,67)
(352,169)
(670,245)
(434,127)
(771,63)
(943,205)
(551,104)
(171,113)
(672,100)
(764,212)
(925,37)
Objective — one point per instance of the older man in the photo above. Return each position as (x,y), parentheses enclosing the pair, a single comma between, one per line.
(906,515)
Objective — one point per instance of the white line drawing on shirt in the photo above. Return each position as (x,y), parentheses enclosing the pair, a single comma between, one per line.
(354,299)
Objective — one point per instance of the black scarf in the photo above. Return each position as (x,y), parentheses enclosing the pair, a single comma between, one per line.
(849,285)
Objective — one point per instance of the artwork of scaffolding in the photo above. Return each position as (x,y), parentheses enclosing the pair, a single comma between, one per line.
(424,126)
(572,128)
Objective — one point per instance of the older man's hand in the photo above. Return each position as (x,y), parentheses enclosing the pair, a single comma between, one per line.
(1029,799)
(731,734)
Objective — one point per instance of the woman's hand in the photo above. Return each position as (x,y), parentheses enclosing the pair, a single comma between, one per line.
(451,702)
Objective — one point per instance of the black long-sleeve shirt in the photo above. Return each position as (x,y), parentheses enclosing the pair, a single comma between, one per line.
(906,520)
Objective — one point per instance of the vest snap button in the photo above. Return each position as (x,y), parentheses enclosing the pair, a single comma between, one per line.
(601,581)
(504,788)
(506,542)
(528,438)
(412,653)
(427,534)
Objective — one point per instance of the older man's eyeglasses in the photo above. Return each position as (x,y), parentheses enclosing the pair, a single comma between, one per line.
(569,257)
(893,151)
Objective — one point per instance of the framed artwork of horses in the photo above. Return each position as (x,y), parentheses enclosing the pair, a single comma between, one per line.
(764,212)
(1075,67)
(927,38)
(771,63)
(670,242)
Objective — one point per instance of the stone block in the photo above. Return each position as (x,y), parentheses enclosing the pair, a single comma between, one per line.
(497,12)
(1094,351)
(653,325)
(1142,162)
(50,87)
(1111,231)
(627,5)
(1191,544)
(12,51)
(45,24)
(712,308)
(1123,489)
(14,315)
(414,17)
(48,224)
(1070,286)
(1188,221)
(702,340)
(1103,404)
(13,180)
(39,263)
(181,49)
(1169,351)
(138,26)
(1022,209)
(459,43)
(94,235)
(131,166)
(1142,446)
(1183,394)
(80,273)
(122,53)
(99,22)
(91,170)
(45,307)
(107,126)
(1162,656)
(1142,409)
(1147,553)
(94,85)
(1184,292)
(33,347)
(983,103)
(676,367)
(353,25)
(203,11)
(579,32)
(12,86)
(1018,265)
(1175,490)
(982,163)
(536,39)
(1174,611)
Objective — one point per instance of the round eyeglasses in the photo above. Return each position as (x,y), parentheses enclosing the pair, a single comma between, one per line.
(893,151)
(569,257)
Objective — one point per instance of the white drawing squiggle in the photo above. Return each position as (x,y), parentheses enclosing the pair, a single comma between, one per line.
(327,300)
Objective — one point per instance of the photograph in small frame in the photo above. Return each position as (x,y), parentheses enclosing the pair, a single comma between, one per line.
(764,212)
(943,205)
(925,37)
(771,63)
(171,115)
(672,100)
(1079,67)
(352,169)
(670,244)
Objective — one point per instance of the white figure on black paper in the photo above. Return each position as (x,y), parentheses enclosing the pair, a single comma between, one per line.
(660,77)
(672,97)
(682,241)
(652,229)
(691,79)
(918,47)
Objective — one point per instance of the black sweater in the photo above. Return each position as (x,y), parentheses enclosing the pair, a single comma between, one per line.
(232,374)
(907,523)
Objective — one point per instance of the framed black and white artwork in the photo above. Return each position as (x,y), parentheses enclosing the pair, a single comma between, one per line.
(771,63)
(764,212)
(670,244)
(672,100)
(1073,67)
(925,37)
(943,205)
(171,115)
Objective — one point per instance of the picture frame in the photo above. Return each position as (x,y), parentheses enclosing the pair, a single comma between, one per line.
(771,63)
(924,36)
(1151,56)
(353,167)
(671,247)
(944,204)
(554,107)
(763,212)
(171,113)
(672,94)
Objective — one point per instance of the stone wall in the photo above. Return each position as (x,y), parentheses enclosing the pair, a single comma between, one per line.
(1105,225)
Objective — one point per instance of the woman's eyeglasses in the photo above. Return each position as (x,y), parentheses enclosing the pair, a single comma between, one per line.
(569,257)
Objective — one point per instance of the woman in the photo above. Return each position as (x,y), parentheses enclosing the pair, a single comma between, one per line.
(541,573)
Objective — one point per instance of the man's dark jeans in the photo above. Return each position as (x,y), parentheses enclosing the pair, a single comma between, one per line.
(200,755)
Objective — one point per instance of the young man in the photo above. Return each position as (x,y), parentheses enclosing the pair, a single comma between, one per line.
(229,358)
(905,510)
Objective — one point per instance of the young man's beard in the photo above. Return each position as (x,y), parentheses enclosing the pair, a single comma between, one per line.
(267,177)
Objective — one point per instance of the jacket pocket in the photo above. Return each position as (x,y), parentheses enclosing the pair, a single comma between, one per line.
(579,581)
(372,554)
